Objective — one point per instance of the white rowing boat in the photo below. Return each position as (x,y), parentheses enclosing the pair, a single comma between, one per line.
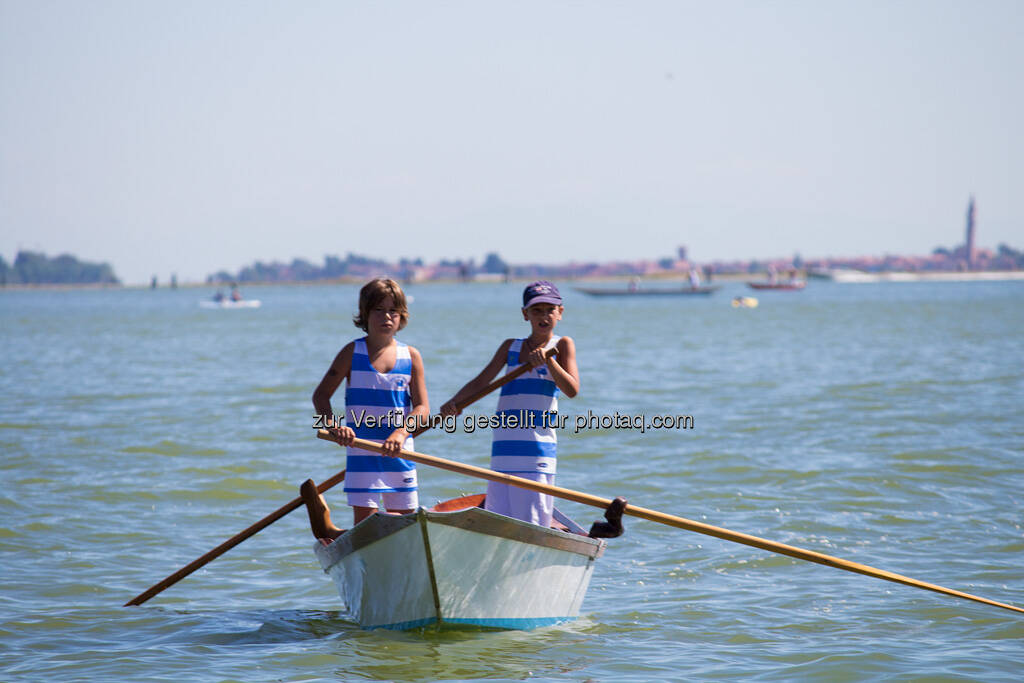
(228,303)
(465,568)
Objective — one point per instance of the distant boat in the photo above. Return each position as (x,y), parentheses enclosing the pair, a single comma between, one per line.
(842,275)
(744,302)
(822,273)
(228,303)
(790,286)
(653,291)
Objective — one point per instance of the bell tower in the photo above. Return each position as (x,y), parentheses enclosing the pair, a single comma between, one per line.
(969,244)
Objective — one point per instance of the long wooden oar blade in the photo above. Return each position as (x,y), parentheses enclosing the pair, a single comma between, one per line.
(231,543)
(680,522)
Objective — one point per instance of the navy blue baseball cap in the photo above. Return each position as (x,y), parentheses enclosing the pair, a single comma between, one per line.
(541,292)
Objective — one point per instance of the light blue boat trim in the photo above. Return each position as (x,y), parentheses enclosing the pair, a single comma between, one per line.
(505,624)
(511,624)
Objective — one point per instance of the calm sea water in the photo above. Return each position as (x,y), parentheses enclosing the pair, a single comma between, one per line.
(881,423)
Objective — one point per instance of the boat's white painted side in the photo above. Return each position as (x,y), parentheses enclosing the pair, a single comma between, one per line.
(387,583)
(491,581)
(489,570)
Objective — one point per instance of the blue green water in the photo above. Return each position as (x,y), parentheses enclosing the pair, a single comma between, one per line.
(880,423)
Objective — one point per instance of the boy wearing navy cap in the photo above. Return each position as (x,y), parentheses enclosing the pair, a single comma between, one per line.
(528,450)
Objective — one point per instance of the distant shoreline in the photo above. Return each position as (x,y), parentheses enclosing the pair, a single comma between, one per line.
(838,276)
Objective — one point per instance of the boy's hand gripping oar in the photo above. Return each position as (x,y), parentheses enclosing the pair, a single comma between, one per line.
(298,502)
(679,522)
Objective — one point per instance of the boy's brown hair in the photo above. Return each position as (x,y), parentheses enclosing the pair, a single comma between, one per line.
(375,291)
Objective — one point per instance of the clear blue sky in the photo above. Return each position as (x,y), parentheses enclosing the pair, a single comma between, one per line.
(188,137)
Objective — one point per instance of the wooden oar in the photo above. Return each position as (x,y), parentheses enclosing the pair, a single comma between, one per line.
(679,522)
(297,502)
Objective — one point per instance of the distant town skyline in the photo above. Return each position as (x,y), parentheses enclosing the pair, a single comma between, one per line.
(36,268)
(186,137)
(966,256)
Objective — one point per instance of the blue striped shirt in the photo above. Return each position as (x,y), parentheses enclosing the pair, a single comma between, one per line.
(375,405)
(525,448)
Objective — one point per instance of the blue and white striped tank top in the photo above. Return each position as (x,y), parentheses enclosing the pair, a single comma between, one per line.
(526,449)
(370,397)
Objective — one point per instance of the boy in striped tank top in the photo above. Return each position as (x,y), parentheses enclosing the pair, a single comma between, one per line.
(529,451)
(385,388)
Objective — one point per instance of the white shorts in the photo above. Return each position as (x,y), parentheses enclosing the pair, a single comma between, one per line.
(393,500)
(529,506)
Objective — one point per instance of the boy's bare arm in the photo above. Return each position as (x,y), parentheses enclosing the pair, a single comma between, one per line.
(563,367)
(418,385)
(474,385)
(339,371)
(420,405)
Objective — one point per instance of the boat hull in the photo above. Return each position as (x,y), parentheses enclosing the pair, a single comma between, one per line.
(227,303)
(677,291)
(784,286)
(470,568)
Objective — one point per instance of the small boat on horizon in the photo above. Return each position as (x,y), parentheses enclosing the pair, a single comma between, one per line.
(460,566)
(229,303)
(234,300)
(793,285)
(649,291)
(744,302)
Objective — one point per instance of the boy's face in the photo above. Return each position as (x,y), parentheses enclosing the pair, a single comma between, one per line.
(384,318)
(543,317)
